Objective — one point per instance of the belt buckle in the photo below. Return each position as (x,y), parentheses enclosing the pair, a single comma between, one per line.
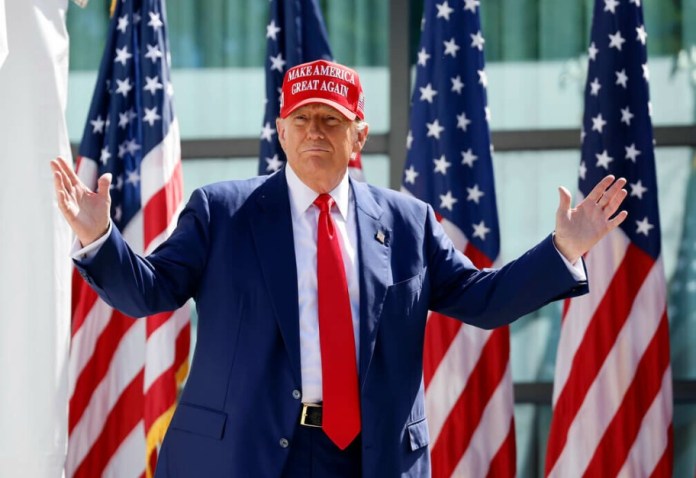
(305,413)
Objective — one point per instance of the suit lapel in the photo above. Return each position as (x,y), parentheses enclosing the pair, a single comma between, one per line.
(373,250)
(271,226)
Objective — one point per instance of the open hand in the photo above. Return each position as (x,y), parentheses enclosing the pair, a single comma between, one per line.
(86,211)
(580,228)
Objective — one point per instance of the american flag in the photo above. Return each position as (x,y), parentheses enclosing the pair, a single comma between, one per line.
(295,34)
(468,394)
(612,401)
(124,373)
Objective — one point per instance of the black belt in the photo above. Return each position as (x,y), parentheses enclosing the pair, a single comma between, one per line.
(311,415)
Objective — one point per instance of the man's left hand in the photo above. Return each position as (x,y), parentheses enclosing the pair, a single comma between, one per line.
(581,227)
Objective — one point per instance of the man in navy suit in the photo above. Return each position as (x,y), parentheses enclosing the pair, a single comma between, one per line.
(312,294)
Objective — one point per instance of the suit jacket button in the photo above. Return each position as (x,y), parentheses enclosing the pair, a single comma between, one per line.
(284,443)
(296,394)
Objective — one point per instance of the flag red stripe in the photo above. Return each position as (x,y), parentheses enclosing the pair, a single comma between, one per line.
(83,299)
(154,322)
(479,259)
(125,415)
(98,365)
(613,448)
(161,208)
(183,346)
(599,339)
(466,413)
(160,396)
(504,463)
(566,308)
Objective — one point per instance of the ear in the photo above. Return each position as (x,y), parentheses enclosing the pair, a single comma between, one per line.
(361,137)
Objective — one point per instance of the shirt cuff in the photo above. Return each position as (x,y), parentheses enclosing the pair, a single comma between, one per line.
(577,270)
(80,253)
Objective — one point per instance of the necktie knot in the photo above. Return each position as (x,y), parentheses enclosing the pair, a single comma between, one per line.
(324,202)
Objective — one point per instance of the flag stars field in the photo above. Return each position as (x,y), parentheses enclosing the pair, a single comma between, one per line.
(616,40)
(595,86)
(441,165)
(447,201)
(444,10)
(428,93)
(451,47)
(267,132)
(457,84)
(272,30)
(637,189)
(410,175)
(434,129)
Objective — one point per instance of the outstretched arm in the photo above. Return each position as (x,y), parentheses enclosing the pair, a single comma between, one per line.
(87,212)
(581,227)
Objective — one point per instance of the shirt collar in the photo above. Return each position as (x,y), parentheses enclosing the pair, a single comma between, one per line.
(302,196)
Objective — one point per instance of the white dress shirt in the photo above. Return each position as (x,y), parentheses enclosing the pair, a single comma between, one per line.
(305,216)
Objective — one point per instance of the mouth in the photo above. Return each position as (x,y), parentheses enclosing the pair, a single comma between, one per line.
(315,149)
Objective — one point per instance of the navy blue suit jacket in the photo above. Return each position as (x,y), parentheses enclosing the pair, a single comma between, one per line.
(233,252)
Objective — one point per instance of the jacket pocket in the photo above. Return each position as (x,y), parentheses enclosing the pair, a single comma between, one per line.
(199,420)
(418,434)
(402,296)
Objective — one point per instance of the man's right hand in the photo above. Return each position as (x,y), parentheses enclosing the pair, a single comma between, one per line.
(86,211)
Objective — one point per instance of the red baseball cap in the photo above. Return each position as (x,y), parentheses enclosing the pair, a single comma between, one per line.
(325,82)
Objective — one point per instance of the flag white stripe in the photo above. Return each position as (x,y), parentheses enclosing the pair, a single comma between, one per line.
(455,234)
(606,393)
(451,376)
(122,464)
(652,439)
(602,263)
(125,365)
(490,433)
(87,172)
(133,233)
(84,341)
(158,165)
(161,353)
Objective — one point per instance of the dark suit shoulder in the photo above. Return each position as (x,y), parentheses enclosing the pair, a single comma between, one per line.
(399,205)
(231,194)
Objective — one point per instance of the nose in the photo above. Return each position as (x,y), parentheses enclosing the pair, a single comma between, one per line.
(314,128)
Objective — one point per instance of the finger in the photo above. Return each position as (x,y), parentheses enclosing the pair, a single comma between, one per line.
(564,199)
(600,188)
(616,200)
(68,172)
(60,183)
(617,220)
(103,185)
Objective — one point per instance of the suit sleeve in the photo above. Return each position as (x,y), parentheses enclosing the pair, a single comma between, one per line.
(164,280)
(490,298)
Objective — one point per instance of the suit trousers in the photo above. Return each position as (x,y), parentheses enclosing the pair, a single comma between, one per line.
(314,455)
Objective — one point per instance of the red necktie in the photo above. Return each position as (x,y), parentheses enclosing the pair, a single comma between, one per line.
(339,374)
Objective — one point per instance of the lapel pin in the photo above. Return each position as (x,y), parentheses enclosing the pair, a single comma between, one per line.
(380,237)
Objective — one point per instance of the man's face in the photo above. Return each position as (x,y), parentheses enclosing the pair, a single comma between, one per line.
(318,142)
